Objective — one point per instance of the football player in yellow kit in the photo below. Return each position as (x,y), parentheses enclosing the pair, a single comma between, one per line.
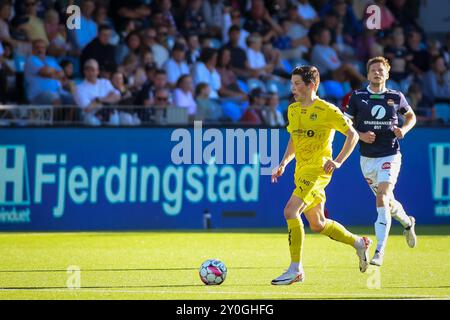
(312,124)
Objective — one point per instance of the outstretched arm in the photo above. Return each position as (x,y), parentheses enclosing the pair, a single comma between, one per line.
(350,143)
(289,154)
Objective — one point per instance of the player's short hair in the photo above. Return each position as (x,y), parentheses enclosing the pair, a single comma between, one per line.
(378,59)
(309,74)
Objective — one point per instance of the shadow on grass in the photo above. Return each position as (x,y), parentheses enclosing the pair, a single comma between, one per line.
(429,230)
(127,270)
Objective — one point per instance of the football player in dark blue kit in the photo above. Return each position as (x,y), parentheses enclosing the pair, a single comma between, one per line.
(374,111)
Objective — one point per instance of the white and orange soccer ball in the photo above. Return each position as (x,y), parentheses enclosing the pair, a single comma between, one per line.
(213,272)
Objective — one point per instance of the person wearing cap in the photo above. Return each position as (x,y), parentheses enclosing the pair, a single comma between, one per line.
(176,66)
(93,93)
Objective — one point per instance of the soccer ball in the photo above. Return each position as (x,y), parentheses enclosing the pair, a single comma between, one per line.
(213,272)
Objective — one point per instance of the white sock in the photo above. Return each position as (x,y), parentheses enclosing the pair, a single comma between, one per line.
(399,214)
(382,227)
(295,267)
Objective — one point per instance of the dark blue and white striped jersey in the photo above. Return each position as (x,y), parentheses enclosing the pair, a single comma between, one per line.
(377,112)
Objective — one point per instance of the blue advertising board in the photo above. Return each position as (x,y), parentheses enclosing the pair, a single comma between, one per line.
(162,178)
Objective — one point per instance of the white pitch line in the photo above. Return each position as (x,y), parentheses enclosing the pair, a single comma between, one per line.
(313,294)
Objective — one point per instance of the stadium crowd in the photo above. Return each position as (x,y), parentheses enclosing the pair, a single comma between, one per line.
(225,61)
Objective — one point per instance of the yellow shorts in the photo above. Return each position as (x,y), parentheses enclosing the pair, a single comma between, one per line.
(310,185)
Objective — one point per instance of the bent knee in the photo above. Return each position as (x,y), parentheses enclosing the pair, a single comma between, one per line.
(317,226)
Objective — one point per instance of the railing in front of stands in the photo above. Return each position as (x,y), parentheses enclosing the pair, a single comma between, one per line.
(48,115)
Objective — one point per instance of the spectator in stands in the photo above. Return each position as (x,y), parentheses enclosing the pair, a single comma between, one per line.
(160,53)
(56,34)
(205,71)
(423,107)
(232,17)
(239,62)
(124,11)
(93,93)
(7,73)
(176,66)
(43,77)
(88,27)
(255,57)
(329,21)
(387,18)
(271,115)
(5,14)
(158,114)
(351,25)
(306,14)
(260,21)
(33,26)
(102,51)
(291,44)
(436,82)
(327,61)
(133,72)
(3,77)
(445,51)
(213,11)
(194,49)
(163,8)
(398,56)
(419,64)
(183,95)
(118,82)
(193,19)
(67,81)
(253,114)
(208,109)
(229,85)
(132,44)
(101,18)
(403,11)
(146,95)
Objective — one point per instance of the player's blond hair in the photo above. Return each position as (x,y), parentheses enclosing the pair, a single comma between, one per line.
(378,59)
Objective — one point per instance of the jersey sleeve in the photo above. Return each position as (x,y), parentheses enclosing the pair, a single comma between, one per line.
(337,121)
(290,124)
(350,110)
(403,106)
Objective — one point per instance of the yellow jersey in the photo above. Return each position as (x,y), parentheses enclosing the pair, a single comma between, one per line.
(312,131)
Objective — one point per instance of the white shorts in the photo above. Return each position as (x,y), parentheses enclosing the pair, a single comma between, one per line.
(377,170)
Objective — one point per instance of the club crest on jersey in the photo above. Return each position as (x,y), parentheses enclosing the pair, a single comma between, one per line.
(310,133)
(313,116)
(386,166)
(378,112)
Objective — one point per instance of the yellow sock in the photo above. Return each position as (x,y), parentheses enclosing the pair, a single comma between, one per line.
(337,231)
(296,236)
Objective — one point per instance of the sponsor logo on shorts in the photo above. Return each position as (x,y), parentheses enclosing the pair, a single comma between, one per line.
(386,166)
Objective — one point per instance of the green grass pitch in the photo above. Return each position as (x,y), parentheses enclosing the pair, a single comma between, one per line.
(164,265)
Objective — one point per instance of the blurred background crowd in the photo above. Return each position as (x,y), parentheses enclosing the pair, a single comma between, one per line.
(223,61)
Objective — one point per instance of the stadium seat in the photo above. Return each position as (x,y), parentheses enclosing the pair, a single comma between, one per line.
(333,89)
(232,110)
(216,43)
(255,83)
(243,86)
(19,63)
(442,111)
(287,66)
